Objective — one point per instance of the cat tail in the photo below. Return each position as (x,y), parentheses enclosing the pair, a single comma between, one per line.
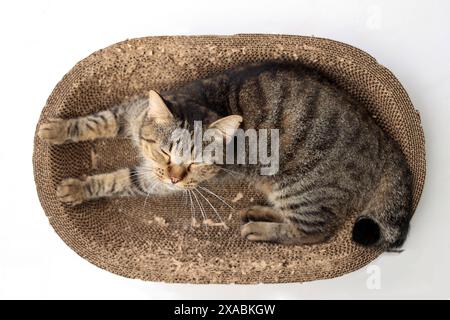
(385,220)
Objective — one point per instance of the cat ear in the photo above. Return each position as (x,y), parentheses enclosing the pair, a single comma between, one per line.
(227,126)
(157,108)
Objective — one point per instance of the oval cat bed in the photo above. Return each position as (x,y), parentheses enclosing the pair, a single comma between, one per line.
(154,239)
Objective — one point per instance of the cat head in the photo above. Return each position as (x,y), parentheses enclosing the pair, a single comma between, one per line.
(161,138)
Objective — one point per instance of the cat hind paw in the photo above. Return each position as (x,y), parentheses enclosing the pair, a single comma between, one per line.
(260,213)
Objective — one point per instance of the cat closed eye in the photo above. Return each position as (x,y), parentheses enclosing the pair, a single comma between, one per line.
(196,165)
(165,154)
(157,153)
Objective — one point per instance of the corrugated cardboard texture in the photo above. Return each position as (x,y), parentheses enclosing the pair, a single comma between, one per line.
(153,239)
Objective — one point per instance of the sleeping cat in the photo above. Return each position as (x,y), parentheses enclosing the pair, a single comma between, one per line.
(333,158)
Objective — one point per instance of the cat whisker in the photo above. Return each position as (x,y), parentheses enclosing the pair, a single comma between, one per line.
(192,204)
(200,206)
(217,196)
(210,204)
(148,194)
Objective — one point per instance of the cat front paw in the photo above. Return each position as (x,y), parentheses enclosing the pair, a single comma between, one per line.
(54,131)
(71,191)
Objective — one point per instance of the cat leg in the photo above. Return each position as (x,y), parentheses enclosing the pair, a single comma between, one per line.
(103,124)
(262,223)
(123,182)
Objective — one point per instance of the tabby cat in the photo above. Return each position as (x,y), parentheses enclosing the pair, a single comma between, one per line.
(333,158)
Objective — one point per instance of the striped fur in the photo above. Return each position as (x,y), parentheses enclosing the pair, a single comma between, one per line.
(334,159)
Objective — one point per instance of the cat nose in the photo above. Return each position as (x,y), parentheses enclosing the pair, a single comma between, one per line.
(174,179)
(176,173)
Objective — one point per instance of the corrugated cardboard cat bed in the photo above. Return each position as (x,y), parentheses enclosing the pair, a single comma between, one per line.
(154,239)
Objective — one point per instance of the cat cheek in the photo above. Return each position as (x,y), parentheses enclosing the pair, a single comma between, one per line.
(147,151)
(149,155)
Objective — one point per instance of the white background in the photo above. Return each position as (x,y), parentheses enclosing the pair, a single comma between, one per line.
(42,40)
